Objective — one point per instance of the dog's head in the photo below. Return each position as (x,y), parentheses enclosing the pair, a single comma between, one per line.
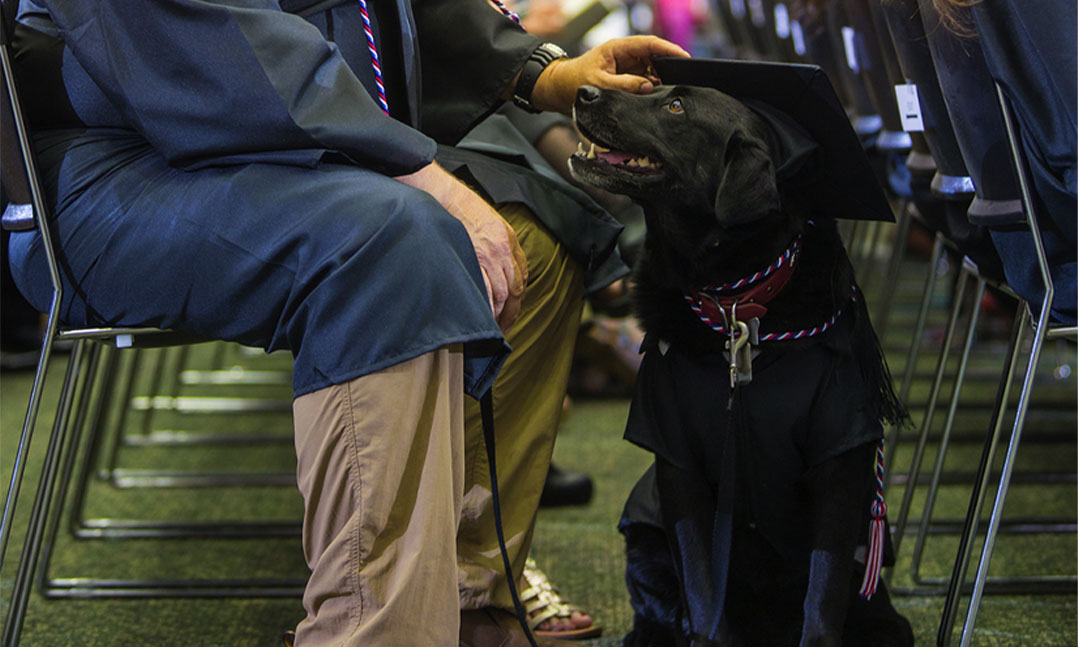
(705,166)
(693,147)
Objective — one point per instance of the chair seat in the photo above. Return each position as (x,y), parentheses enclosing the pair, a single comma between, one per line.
(134,337)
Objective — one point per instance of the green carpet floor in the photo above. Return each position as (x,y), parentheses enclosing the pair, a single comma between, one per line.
(579,547)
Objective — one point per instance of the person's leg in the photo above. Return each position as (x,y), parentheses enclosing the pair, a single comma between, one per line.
(380,466)
(528,397)
(352,271)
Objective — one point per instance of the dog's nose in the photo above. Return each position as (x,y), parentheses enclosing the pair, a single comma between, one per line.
(587,94)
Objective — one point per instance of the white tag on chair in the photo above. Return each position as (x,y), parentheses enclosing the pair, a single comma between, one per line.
(799,38)
(909,107)
(849,39)
(782,21)
(756,12)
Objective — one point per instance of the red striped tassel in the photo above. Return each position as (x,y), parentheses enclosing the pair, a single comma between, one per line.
(876,530)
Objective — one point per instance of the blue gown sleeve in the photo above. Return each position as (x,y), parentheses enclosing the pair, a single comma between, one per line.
(210,83)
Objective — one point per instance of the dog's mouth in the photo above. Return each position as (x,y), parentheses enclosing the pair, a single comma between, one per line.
(595,152)
(620,160)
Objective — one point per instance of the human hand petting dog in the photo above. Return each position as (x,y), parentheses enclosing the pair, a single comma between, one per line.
(502,261)
(618,64)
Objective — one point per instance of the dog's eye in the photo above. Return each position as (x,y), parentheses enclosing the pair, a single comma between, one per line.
(676,107)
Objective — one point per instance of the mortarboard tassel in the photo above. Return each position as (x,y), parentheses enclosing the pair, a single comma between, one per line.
(876,530)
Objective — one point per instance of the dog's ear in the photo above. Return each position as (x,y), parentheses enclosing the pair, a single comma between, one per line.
(747,189)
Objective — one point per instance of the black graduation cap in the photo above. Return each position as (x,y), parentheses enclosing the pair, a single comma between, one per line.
(844,184)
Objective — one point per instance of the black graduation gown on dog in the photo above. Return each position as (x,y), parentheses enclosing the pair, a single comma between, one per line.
(804,405)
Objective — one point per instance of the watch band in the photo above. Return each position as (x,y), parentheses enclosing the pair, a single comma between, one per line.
(543,56)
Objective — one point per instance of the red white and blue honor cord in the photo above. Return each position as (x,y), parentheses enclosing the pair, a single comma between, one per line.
(507,11)
(375,60)
(373,49)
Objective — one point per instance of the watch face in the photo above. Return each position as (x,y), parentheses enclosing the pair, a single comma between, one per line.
(553,49)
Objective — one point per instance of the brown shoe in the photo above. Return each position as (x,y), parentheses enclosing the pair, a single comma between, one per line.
(493,627)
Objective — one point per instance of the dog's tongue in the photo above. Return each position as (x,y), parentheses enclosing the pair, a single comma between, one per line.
(614,157)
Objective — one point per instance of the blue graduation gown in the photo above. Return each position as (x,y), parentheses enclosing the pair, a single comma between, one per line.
(1029,49)
(222,170)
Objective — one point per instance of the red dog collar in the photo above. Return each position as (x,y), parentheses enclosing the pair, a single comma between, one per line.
(749,303)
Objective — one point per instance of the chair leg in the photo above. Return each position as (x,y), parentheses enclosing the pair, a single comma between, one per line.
(42,501)
(898,253)
(1005,476)
(899,524)
(945,437)
(111,449)
(90,405)
(106,439)
(174,362)
(25,438)
(867,268)
(89,400)
(980,487)
(915,349)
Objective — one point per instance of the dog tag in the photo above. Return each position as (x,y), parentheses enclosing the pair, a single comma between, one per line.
(754,331)
(744,364)
(739,352)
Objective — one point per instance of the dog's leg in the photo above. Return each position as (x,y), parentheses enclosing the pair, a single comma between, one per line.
(654,590)
(838,489)
(694,526)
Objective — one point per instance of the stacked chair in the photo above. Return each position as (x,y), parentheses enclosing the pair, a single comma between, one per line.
(964,179)
(95,398)
(108,433)
(981,187)
(983,118)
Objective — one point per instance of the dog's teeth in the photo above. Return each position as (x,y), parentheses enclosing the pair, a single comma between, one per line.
(591,152)
(632,162)
(644,161)
(580,148)
(600,149)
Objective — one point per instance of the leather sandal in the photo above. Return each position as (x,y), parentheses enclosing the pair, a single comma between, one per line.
(542,602)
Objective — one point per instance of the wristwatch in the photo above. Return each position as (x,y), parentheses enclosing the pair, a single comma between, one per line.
(543,56)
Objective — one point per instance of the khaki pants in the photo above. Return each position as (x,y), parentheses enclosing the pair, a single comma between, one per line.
(396,483)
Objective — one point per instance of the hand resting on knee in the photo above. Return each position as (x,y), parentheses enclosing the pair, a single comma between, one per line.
(505,270)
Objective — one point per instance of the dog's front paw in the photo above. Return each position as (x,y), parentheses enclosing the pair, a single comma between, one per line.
(828,640)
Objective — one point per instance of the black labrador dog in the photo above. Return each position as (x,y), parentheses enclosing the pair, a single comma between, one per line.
(763,390)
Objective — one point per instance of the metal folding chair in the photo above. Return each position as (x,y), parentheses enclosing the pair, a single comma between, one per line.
(1043,330)
(29,210)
